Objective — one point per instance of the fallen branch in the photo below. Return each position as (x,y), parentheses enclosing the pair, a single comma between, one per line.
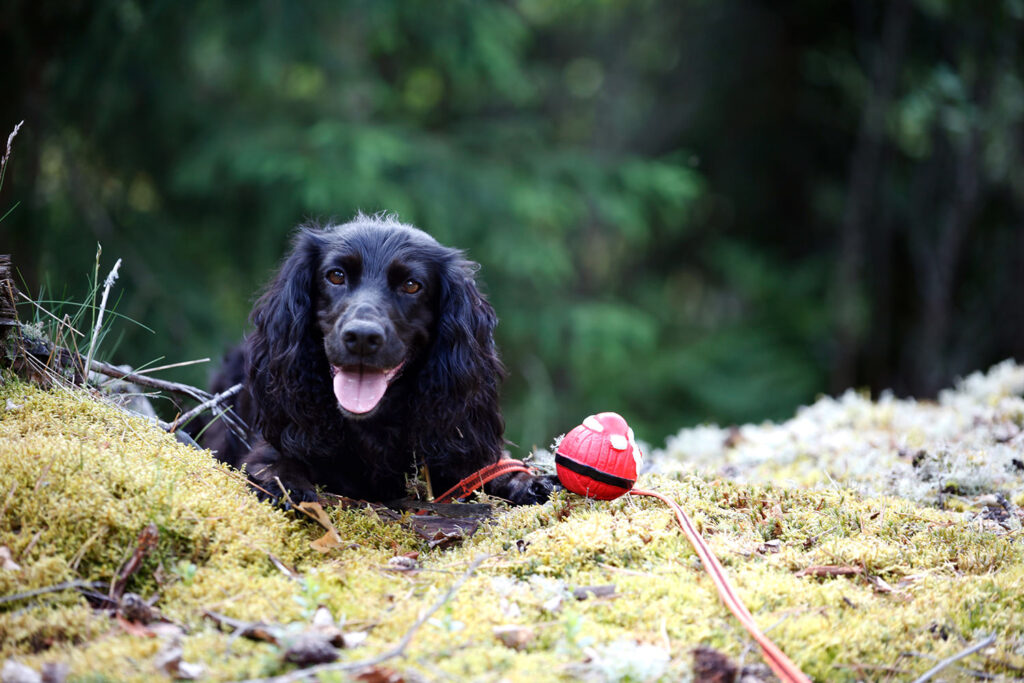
(212,402)
(396,651)
(956,658)
(146,381)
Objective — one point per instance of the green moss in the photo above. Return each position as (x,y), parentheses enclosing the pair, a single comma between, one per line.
(79,480)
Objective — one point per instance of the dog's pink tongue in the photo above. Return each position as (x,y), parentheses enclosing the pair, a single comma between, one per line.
(360,390)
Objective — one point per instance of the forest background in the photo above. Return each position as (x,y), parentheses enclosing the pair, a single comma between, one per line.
(685,211)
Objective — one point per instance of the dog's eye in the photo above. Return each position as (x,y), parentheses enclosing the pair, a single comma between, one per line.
(336,277)
(411,287)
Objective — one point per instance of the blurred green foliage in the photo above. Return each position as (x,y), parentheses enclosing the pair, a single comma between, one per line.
(662,194)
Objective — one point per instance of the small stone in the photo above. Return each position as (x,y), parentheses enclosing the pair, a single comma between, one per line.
(403,564)
(16,672)
(553,605)
(170,661)
(55,672)
(322,617)
(354,639)
(515,637)
(308,649)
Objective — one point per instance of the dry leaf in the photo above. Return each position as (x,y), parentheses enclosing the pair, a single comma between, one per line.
(379,674)
(444,539)
(330,540)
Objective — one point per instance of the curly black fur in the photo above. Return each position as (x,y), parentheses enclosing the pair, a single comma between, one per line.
(405,301)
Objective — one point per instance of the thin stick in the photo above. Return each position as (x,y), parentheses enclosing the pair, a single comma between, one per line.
(67,585)
(151,382)
(60,322)
(146,371)
(205,405)
(956,658)
(396,651)
(99,318)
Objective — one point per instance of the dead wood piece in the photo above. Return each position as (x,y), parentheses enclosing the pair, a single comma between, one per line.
(453,522)
(144,545)
(8,316)
(829,570)
(454,510)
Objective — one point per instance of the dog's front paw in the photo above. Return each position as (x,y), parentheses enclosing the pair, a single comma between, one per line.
(286,494)
(528,489)
(278,479)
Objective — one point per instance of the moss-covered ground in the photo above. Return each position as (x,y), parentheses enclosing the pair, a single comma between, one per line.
(79,480)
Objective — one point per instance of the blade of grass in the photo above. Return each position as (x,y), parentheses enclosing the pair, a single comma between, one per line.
(10,210)
(83,306)
(99,319)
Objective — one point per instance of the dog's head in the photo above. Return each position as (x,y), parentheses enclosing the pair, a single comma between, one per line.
(364,305)
(377,295)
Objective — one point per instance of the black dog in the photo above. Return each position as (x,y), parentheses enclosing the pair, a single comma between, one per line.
(372,354)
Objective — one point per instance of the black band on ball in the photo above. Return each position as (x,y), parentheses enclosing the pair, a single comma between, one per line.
(591,472)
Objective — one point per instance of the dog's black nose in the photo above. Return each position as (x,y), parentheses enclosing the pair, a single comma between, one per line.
(363,337)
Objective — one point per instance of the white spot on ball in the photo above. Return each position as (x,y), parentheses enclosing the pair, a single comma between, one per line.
(619,442)
(593,424)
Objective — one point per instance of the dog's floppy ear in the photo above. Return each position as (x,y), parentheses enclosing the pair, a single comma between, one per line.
(283,338)
(463,370)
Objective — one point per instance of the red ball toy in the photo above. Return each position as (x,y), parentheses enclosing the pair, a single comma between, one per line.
(600,458)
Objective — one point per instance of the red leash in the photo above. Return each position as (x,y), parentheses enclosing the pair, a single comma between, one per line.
(777,660)
(782,665)
(480,477)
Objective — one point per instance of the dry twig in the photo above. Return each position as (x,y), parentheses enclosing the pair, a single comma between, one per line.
(66,585)
(981,644)
(212,402)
